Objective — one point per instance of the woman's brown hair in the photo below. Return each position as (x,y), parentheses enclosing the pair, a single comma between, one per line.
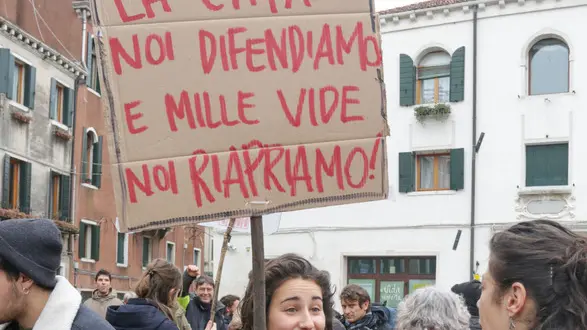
(279,270)
(551,262)
(157,282)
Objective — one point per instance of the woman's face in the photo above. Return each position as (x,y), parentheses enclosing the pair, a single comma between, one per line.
(297,304)
(493,315)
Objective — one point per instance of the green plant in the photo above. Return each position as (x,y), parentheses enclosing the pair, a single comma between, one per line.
(438,111)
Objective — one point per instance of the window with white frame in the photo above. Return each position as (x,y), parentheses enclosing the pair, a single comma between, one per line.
(89,241)
(122,249)
(147,251)
(548,63)
(170,254)
(197,257)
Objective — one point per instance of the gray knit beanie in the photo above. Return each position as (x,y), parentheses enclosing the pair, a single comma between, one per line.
(33,247)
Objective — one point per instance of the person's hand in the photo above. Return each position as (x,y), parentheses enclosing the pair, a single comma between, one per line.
(193,271)
(211,326)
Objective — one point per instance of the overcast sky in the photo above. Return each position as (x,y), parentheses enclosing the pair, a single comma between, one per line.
(386,4)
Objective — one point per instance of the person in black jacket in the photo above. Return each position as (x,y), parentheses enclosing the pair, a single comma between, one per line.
(359,313)
(198,308)
(471,292)
(157,293)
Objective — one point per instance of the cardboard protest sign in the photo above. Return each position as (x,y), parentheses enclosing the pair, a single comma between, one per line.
(234,108)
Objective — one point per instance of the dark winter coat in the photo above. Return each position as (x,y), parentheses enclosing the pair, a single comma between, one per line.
(138,313)
(375,319)
(197,312)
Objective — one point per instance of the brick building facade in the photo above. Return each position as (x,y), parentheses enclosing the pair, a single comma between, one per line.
(68,179)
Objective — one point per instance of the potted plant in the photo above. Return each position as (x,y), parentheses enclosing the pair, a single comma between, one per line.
(21,117)
(438,111)
(62,134)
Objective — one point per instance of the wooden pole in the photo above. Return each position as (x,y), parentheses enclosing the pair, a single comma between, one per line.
(257,245)
(220,264)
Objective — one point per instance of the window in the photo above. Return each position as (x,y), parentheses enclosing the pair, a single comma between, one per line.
(549,67)
(61,105)
(389,279)
(92,64)
(433,75)
(437,78)
(89,241)
(433,172)
(17,79)
(92,158)
(547,165)
(18,82)
(170,252)
(147,251)
(197,258)
(442,170)
(16,185)
(122,249)
(59,196)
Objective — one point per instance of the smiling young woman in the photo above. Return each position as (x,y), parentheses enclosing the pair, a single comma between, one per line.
(298,296)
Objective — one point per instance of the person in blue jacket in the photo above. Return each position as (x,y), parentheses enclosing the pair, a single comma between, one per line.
(157,292)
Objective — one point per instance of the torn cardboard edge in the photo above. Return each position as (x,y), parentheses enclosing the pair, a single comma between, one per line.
(332,201)
(256,11)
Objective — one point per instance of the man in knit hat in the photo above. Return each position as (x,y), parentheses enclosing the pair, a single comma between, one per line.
(33,296)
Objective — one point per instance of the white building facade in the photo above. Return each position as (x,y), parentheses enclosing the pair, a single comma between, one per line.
(528,108)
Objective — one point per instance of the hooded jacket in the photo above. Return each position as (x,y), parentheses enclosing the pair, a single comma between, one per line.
(138,313)
(375,319)
(471,293)
(64,311)
(99,304)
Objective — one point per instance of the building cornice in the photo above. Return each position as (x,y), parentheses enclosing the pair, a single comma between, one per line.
(39,48)
(446,10)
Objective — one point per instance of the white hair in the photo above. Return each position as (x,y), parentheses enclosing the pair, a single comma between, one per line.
(431,309)
(129,295)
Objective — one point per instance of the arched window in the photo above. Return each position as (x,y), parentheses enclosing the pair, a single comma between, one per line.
(548,67)
(91,157)
(433,76)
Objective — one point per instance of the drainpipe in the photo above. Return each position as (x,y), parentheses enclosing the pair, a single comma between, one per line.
(84,35)
(474,142)
(73,181)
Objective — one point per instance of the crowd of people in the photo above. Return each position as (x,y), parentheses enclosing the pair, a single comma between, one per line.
(536,279)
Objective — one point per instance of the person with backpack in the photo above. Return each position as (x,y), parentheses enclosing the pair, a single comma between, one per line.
(359,313)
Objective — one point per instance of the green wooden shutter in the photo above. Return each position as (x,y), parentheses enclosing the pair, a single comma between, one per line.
(407,81)
(97,163)
(547,165)
(96,242)
(30,85)
(145,251)
(82,240)
(85,156)
(25,187)
(65,197)
(69,107)
(6,72)
(6,182)
(457,169)
(407,172)
(53,99)
(89,60)
(120,249)
(457,75)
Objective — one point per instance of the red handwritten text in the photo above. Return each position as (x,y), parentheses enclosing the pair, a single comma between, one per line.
(288,170)
(214,5)
(164,180)
(156,49)
(286,48)
(330,99)
(147,6)
(201,114)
